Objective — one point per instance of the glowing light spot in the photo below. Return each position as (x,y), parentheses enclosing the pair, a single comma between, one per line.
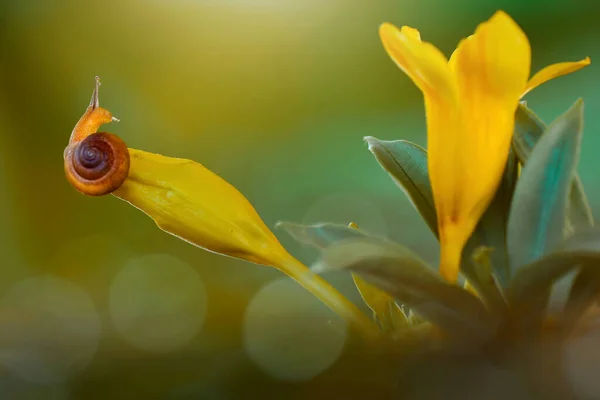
(157,303)
(49,330)
(290,334)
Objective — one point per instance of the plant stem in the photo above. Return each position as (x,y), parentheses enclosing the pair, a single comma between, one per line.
(332,298)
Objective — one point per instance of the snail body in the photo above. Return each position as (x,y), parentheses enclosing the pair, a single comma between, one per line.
(95,163)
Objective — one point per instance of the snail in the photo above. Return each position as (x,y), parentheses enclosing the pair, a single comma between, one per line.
(96,163)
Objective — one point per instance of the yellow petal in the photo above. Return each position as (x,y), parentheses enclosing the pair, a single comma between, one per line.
(467,155)
(189,201)
(428,68)
(421,61)
(554,71)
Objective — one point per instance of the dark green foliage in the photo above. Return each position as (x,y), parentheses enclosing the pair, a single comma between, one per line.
(535,230)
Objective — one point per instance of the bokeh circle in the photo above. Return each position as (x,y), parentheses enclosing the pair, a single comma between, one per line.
(49,329)
(290,334)
(157,303)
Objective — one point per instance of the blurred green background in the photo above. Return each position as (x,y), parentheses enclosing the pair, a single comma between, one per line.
(275,96)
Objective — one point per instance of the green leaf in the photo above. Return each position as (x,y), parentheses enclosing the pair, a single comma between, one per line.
(323,235)
(481,258)
(384,307)
(482,280)
(532,283)
(528,130)
(537,217)
(414,319)
(406,163)
(397,271)
(320,235)
(396,319)
(579,211)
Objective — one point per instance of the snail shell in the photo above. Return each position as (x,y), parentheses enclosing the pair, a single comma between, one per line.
(98,164)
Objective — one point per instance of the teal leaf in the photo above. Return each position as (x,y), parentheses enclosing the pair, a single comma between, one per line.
(537,217)
(528,130)
(400,273)
(320,235)
(579,211)
(530,288)
(406,163)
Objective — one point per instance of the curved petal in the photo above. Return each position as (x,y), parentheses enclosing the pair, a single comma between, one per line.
(428,68)
(421,61)
(554,71)
(491,69)
(212,215)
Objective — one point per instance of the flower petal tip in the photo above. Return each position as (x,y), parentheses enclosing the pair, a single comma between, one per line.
(501,14)
(386,29)
(390,32)
(503,22)
(411,32)
(501,17)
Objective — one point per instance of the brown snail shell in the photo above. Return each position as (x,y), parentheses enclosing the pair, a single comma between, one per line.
(98,164)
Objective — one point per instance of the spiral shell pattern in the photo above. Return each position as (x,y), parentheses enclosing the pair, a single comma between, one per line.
(98,164)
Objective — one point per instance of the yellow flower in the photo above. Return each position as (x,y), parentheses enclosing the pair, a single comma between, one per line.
(189,201)
(470,103)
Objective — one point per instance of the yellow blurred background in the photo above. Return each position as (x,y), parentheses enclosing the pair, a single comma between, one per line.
(275,96)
